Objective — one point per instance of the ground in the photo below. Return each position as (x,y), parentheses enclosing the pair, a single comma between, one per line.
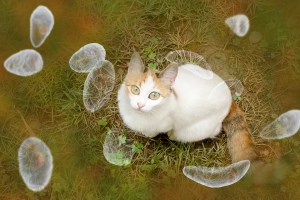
(49,104)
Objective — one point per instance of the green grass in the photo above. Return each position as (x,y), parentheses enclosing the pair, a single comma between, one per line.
(51,101)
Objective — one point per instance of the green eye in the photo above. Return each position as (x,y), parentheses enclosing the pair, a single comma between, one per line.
(154,95)
(135,90)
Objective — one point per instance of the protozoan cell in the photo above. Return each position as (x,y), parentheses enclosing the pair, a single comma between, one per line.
(239,24)
(41,25)
(235,86)
(216,177)
(87,57)
(98,86)
(117,148)
(286,125)
(35,163)
(24,63)
(192,62)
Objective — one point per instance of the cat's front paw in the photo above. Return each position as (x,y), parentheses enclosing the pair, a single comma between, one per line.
(149,135)
(171,135)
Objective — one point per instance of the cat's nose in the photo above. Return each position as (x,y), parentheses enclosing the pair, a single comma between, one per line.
(140,105)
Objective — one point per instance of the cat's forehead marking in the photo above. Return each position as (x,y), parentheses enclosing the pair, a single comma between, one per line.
(148,83)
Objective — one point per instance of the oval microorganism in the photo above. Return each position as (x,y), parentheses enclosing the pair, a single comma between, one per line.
(35,163)
(239,24)
(117,148)
(87,57)
(41,25)
(286,125)
(235,86)
(24,63)
(192,62)
(216,177)
(98,86)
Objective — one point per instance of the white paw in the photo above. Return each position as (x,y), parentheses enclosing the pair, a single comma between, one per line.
(171,135)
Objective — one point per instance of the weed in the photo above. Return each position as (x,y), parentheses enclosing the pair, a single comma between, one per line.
(237,97)
(151,56)
(102,122)
(137,147)
(121,139)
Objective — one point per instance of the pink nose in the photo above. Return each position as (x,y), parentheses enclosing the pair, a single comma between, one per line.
(140,105)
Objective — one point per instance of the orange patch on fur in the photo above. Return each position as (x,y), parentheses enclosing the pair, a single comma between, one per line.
(139,78)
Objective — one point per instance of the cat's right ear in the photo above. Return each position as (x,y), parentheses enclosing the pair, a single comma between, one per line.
(169,74)
(136,64)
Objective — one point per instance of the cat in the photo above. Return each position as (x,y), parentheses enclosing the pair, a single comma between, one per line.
(181,103)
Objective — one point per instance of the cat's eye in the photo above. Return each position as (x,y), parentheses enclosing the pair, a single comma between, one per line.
(154,95)
(135,90)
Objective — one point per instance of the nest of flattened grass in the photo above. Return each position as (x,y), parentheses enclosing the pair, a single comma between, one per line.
(257,103)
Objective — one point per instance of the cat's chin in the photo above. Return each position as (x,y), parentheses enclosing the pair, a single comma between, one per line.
(142,110)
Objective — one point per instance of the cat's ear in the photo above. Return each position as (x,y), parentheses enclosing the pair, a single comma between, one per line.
(136,64)
(169,74)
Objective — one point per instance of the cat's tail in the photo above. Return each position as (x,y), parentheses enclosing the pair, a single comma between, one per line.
(239,141)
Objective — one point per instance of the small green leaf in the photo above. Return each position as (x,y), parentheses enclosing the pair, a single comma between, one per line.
(133,148)
(102,122)
(140,146)
(152,56)
(148,50)
(152,65)
(237,96)
(154,41)
(154,160)
(234,97)
(121,139)
(126,161)
(119,155)
(137,147)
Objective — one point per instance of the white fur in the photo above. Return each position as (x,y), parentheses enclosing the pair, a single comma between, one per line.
(196,114)
(145,89)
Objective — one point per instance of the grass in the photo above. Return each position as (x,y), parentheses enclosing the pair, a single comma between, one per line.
(51,101)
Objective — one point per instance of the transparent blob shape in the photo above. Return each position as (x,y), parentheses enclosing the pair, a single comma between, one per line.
(235,86)
(117,148)
(286,125)
(98,86)
(87,57)
(198,64)
(24,63)
(35,163)
(239,24)
(41,25)
(216,177)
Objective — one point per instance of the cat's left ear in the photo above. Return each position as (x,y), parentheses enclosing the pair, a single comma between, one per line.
(136,64)
(169,74)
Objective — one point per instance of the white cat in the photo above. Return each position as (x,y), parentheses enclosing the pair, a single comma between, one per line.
(180,101)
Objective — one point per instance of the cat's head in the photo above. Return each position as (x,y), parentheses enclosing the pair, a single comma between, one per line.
(145,89)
